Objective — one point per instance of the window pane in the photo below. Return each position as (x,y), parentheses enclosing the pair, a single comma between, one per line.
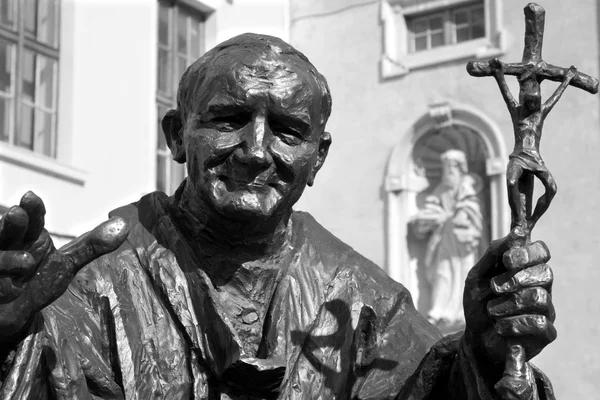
(45,81)
(161,173)
(420,26)
(6,115)
(462,34)
(6,67)
(478,31)
(164,71)
(163,25)
(30,16)
(421,43)
(477,16)
(161,142)
(7,13)
(182,40)
(195,44)
(182,64)
(461,17)
(48,22)
(436,23)
(43,131)
(25,135)
(437,39)
(28,72)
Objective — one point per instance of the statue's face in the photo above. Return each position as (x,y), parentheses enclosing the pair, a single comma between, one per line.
(255,140)
(530,95)
(451,171)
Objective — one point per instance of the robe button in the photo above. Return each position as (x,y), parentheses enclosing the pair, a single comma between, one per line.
(250,318)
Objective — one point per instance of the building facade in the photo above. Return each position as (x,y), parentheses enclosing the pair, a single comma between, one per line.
(402,96)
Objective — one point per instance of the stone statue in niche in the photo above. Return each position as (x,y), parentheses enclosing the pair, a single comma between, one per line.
(451,221)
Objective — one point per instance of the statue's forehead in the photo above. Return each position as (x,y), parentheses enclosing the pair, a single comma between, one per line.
(283,80)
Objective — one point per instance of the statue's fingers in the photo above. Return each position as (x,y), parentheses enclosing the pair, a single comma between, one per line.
(536,327)
(18,264)
(103,239)
(526,256)
(36,211)
(486,267)
(13,227)
(511,281)
(10,289)
(534,300)
(55,275)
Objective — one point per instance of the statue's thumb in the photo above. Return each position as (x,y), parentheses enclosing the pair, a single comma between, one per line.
(103,239)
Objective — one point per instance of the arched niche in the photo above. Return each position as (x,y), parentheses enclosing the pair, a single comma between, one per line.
(404,181)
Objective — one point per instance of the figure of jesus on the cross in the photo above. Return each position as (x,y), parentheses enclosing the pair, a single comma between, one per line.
(528,116)
(528,120)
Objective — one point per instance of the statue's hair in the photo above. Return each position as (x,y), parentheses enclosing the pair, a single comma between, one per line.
(260,45)
(456,155)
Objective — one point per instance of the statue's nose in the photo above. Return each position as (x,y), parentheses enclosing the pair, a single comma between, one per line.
(254,150)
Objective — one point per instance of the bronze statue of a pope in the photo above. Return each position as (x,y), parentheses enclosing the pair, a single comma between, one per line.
(223,291)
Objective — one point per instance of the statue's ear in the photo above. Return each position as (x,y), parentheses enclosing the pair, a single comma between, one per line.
(173,130)
(324,143)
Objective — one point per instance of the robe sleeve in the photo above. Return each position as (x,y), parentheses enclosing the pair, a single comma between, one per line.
(69,351)
(450,371)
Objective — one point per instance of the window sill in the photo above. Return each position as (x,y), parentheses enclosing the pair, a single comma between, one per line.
(42,164)
(477,49)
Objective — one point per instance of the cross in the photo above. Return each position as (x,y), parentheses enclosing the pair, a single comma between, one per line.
(526,162)
(535,18)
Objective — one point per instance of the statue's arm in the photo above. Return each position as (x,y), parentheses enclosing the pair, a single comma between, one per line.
(35,278)
(552,100)
(498,73)
(451,371)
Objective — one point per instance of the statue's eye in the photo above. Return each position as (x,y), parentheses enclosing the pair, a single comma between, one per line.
(289,134)
(230,123)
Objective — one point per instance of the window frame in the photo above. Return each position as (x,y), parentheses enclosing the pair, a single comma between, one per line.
(398,60)
(21,42)
(174,171)
(449,27)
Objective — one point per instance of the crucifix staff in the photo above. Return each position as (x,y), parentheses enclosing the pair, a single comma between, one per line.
(525,162)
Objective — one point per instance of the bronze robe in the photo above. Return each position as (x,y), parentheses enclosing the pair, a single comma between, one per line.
(146,322)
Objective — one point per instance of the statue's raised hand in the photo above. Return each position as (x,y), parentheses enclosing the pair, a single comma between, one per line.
(32,272)
(508,297)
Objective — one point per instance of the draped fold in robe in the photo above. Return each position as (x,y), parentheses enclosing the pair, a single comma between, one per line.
(146,322)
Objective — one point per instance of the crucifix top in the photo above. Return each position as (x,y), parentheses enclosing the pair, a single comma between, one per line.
(532,62)
(535,18)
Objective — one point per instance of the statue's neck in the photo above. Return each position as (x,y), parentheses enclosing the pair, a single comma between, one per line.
(235,240)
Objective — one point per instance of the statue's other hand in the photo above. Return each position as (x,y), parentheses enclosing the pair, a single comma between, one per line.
(508,296)
(496,65)
(32,272)
(571,72)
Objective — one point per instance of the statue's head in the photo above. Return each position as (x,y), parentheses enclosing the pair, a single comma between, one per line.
(530,92)
(454,166)
(250,123)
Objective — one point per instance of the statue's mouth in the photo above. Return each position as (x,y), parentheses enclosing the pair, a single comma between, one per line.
(259,182)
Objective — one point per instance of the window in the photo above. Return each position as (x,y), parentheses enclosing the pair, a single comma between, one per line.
(451,26)
(29,52)
(420,33)
(180,42)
